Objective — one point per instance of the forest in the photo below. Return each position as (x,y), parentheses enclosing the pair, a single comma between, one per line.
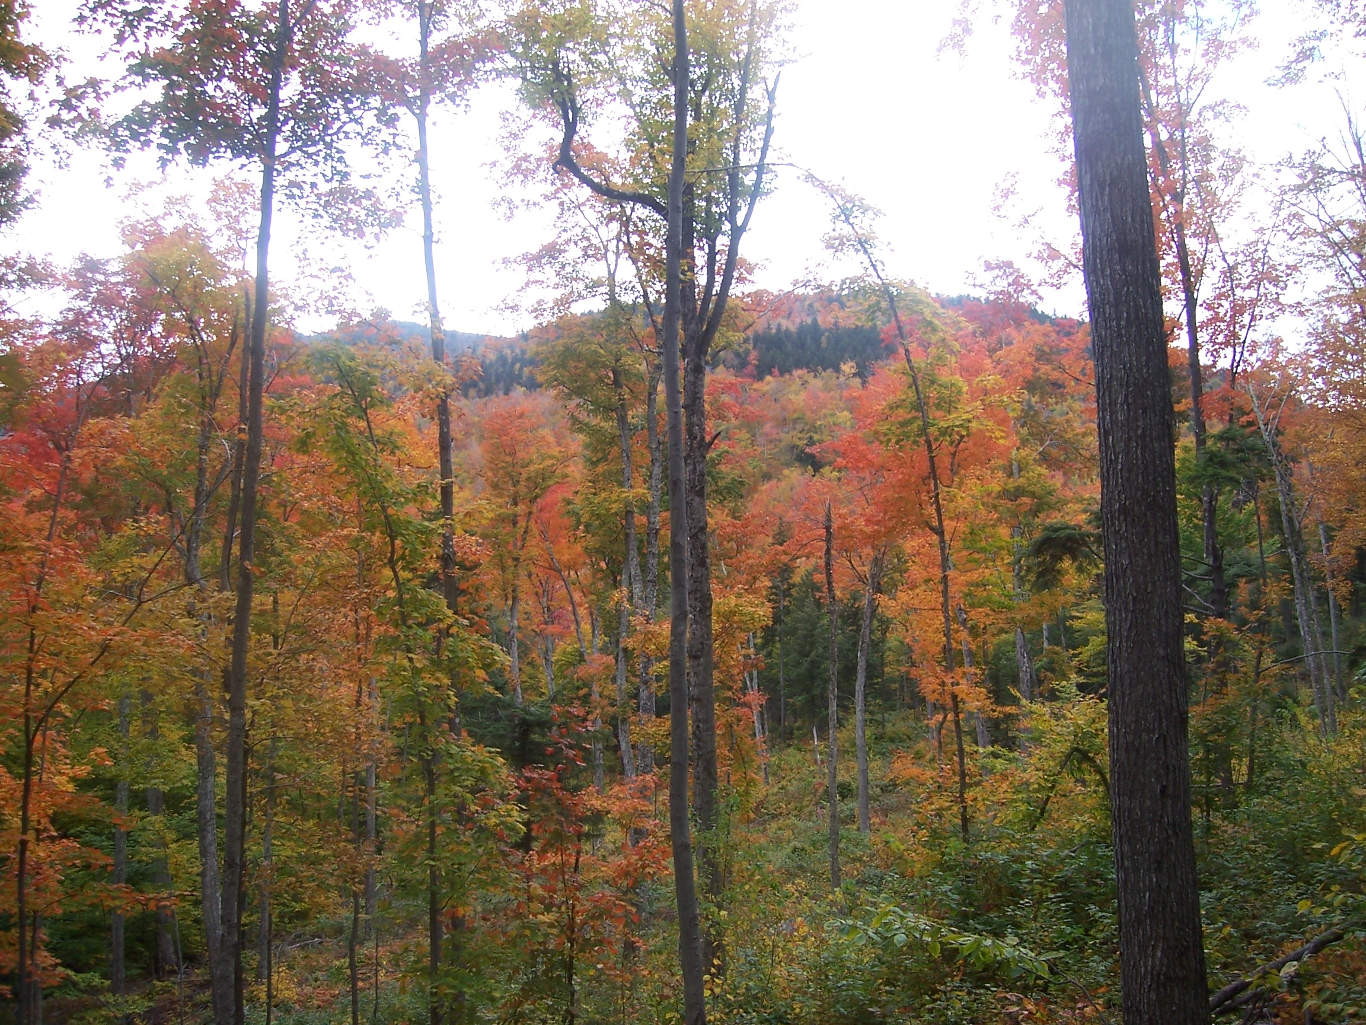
(705,652)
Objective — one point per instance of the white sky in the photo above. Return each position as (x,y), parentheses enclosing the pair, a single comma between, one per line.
(871,104)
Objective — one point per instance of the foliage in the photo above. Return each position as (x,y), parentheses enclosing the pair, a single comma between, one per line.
(478,759)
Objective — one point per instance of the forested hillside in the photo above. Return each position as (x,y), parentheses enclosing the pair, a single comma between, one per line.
(387,674)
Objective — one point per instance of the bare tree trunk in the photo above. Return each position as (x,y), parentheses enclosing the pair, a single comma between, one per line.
(632,585)
(165,958)
(236,677)
(1301,574)
(118,969)
(265,968)
(210,879)
(680,826)
(865,642)
(1161,952)
(1334,660)
(832,793)
(645,759)
(756,696)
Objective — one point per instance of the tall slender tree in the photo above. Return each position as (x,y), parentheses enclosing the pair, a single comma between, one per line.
(724,103)
(264,85)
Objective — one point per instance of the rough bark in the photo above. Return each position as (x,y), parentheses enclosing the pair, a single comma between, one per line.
(701,661)
(1161,954)
(680,826)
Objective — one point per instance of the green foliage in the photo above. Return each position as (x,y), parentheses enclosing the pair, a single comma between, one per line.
(809,346)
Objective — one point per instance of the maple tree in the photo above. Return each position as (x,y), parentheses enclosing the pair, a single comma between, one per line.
(20,61)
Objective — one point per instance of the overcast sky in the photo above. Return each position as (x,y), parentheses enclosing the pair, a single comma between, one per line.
(871,103)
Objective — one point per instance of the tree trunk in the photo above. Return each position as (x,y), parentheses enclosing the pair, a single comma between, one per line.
(938,526)
(680,826)
(118,966)
(632,585)
(235,751)
(1024,666)
(832,793)
(210,878)
(645,759)
(1333,662)
(265,905)
(1161,953)
(755,695)
(1173,204)
(1301,574)
(865,642)
(701,689)
(450,586)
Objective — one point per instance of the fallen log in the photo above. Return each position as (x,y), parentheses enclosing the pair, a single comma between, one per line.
(1242,991)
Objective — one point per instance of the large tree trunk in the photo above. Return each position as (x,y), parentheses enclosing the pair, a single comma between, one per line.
(1161,953)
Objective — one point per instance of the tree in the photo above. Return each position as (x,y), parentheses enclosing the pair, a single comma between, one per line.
(522,460)
(1161,950)
(19,61)
(264,85)
(710,104)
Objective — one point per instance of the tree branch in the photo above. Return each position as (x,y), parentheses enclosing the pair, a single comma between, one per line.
(1241,991)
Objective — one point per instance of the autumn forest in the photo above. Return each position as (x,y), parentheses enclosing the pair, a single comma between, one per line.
(843,654)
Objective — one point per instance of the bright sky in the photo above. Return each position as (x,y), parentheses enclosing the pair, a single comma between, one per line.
(871,104)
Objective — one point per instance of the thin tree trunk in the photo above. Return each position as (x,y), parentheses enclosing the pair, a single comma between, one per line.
(1301,574)
(265,922)
(759,708)
(1334,667)
(865,642)
(938,525)
(235,752)
(832,793)
(633,587)
(210,879)
(680,826)
(164,955)
(645,758)
(450,587)
(118,967)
